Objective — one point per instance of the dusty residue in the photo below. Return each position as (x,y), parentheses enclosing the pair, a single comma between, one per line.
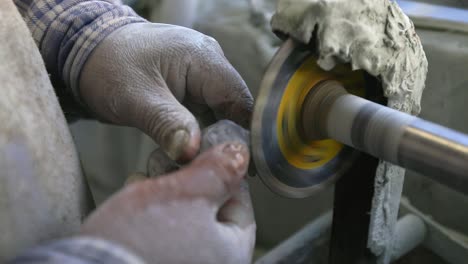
(373,35)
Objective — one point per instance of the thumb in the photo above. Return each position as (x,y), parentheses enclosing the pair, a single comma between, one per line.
(169,123)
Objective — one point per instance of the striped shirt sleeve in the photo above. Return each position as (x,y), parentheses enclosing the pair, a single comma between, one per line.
(78,250)
(67,31)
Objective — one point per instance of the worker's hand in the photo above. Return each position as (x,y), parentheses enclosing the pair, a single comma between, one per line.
(142,73)
(199,214)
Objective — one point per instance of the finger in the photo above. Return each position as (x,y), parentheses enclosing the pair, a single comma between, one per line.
(171,125)
(214,175)
(238,209)
(213,81)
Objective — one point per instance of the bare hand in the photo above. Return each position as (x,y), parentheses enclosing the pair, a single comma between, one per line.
(199,214)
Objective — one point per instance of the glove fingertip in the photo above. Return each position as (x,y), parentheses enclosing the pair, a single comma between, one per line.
(184,145)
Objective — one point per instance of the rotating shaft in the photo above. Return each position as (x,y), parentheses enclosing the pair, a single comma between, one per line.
(408,141)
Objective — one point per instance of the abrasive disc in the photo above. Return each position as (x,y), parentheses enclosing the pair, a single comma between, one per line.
(285,162)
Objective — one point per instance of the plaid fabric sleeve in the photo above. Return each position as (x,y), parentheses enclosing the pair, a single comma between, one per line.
(66,32)
(80,250)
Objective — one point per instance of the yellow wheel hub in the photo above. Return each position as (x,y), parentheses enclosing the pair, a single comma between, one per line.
(302,154)
(288,164)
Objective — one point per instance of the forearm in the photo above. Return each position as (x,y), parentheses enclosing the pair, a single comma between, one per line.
(67,31)
(81,250)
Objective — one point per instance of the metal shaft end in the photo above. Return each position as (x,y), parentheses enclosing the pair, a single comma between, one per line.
(316,106)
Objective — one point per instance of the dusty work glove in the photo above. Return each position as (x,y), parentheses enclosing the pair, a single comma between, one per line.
(142,73)
(199,214)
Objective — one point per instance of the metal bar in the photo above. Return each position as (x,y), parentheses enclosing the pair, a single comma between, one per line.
(448,244)
(410,232)
(305,246)
(308,244)
(436,151)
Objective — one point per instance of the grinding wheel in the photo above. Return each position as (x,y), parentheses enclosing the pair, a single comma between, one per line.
(287,163)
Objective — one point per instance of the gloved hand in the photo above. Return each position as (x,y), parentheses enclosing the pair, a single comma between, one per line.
(142,73)
(199,214)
